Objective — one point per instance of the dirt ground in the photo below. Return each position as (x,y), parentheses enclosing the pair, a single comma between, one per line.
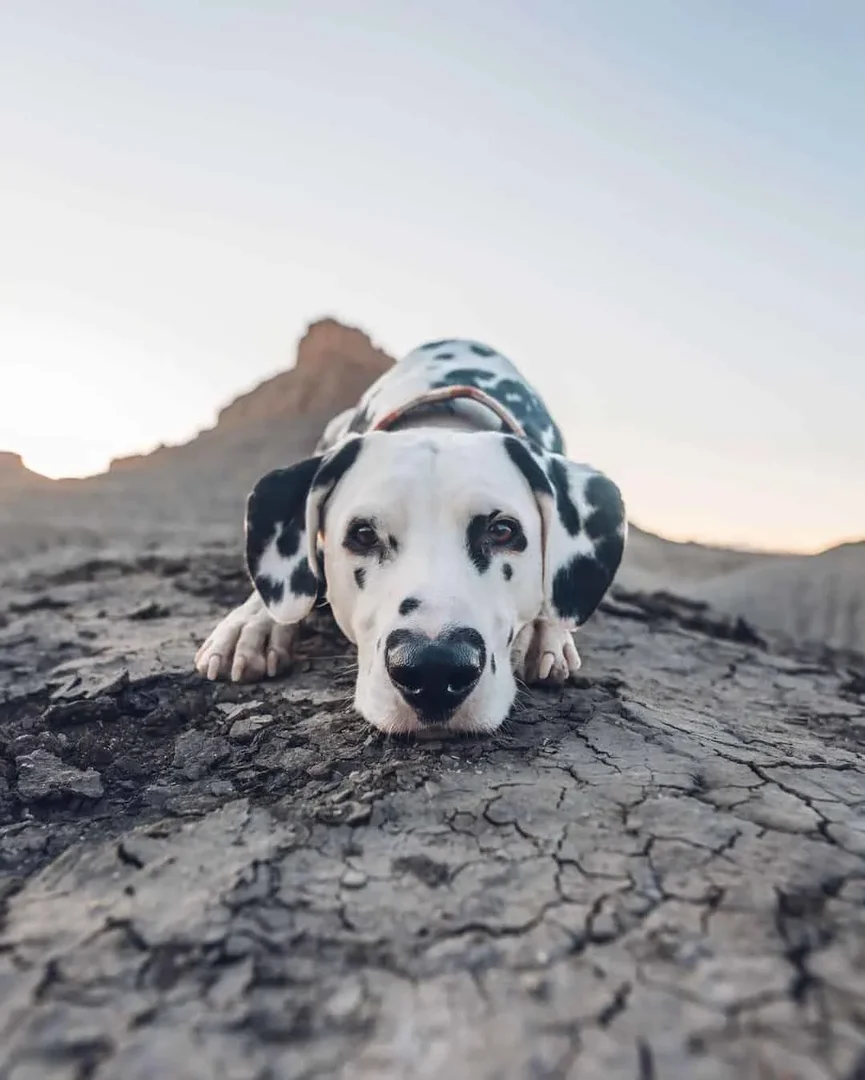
(656,874)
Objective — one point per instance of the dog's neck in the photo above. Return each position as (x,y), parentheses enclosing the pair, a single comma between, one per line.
(463,407)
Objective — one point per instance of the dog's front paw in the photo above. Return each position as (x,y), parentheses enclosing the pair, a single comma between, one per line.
(544,652)
(246,646)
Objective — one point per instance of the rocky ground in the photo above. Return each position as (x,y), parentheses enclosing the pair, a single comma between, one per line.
(656,874)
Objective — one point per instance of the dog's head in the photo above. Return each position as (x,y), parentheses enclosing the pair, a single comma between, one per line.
(434,549)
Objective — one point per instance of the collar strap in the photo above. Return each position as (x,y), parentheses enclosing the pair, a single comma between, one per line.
(449,393)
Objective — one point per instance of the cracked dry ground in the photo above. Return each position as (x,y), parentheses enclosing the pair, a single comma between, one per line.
(658,873)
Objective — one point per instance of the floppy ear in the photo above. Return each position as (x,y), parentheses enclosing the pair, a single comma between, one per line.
(584,530)
(283,517)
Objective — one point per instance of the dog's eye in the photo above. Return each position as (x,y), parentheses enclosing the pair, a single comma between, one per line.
(503,531)
(361,537)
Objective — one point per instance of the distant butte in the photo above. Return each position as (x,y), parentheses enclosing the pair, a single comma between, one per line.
(15,474)
(335,364)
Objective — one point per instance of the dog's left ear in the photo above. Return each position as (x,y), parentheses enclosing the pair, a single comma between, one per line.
(283,518)
(584,530)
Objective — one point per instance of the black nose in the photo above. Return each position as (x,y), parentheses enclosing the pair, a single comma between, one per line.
(435,675)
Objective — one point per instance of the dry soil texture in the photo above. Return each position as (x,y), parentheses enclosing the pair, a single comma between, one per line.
(656,874)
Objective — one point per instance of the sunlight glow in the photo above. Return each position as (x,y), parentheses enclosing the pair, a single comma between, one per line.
(86,398)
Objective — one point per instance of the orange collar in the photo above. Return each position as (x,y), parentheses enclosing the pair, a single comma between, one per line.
(449,393)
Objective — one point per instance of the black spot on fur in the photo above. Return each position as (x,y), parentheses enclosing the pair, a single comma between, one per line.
(521,456)
(467,376)
(279,498)
(508,570)
(479,552)
(434,345)
(609,553)
(288,540)
(359,576)
(303,581)
(444,356)
(270,591)
(393,543)
(568,513)
(410,604)
(482,350)
(578,587)
(493,663)
(333,468)
(607,512)
(518,398)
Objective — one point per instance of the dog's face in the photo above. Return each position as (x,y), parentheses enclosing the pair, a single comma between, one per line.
(435,549)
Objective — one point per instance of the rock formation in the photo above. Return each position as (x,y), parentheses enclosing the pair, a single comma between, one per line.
(283,415)
(15,476)
(335,364)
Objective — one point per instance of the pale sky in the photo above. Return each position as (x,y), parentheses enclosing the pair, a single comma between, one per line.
(655,207)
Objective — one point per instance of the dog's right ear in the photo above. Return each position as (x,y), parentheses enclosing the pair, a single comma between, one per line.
(283,517)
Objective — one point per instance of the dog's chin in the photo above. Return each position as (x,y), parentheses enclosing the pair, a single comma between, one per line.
(396,717)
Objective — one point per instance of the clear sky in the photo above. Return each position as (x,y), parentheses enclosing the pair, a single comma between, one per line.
(655,207)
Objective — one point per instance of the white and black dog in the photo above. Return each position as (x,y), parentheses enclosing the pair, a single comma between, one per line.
(456,545)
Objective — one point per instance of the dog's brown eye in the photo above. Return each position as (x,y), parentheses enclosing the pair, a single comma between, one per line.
(503,531)
(361,537)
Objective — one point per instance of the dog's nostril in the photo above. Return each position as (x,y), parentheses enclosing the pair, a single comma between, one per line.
(465,676)
(435,676)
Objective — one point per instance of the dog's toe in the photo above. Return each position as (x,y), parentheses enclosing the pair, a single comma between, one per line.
(245,647)
(213,659)
(544,653)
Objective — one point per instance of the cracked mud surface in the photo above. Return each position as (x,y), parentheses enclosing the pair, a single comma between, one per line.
(658,873)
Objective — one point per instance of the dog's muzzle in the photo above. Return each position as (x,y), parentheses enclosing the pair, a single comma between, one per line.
(435,675)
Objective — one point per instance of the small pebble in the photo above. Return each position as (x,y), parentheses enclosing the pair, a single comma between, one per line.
(247,728)
(235,710)
(42,775)
(353,879)
(320,771)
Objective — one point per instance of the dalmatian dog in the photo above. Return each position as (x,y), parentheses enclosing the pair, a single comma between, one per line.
(457,546)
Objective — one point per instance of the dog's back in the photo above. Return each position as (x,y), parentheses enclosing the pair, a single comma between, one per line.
(437,366)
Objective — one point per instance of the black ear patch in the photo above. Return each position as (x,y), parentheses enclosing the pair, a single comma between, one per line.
(569,515)
(333,467)
(578,587)
(303,581)
(278,499)
(607,507)
(580,583)
(528,465)
(277,544)
(585,526)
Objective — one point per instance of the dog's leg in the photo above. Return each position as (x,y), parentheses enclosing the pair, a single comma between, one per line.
(247,645)
(544,652)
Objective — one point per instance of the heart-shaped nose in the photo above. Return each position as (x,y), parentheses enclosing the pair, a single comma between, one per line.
(435,675)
